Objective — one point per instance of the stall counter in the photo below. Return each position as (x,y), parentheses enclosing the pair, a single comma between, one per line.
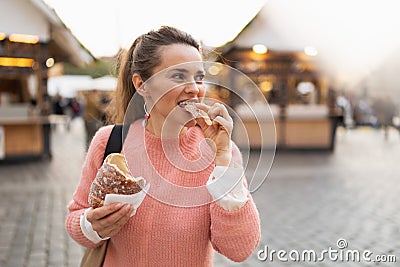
(25,137)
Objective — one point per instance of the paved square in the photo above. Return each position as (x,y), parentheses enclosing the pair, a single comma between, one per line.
(309,201)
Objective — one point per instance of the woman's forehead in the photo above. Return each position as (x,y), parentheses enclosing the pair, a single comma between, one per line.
(180,56)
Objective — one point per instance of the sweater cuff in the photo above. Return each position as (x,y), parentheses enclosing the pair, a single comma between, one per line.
(226,187)
(87,229)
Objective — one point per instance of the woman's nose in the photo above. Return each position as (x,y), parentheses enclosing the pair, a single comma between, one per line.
(192,88)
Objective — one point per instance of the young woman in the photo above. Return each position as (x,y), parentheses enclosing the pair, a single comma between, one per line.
(176,224)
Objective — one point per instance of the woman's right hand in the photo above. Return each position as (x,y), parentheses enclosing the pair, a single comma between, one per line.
(108,220)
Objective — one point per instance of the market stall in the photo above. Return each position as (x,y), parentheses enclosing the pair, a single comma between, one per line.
(299,95)
(300,100)
(32,40)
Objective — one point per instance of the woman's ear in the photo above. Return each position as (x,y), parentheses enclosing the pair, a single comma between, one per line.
(139,84)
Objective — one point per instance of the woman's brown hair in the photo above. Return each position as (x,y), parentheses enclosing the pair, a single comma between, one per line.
(142,57)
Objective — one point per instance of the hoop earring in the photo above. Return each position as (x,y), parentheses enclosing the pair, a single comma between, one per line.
(146,113)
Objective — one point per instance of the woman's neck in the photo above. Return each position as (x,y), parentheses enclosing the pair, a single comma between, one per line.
(166,130)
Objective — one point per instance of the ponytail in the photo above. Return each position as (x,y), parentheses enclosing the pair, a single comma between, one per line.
(125,87)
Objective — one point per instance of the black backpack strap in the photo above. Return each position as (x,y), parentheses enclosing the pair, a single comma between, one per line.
(114,143)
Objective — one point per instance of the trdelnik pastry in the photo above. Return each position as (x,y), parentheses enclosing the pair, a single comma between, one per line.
(196,112)
(113,178)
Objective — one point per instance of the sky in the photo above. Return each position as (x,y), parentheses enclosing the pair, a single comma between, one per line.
(104,26)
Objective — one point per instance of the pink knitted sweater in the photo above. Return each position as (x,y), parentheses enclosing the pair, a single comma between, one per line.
(160,234)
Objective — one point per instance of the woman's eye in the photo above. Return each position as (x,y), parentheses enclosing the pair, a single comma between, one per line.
(199,78)
(178,76)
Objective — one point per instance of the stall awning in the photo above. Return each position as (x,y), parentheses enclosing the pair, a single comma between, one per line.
(63,44)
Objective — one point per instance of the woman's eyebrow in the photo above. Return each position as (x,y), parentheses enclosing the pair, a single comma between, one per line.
(184,71)
(178,70)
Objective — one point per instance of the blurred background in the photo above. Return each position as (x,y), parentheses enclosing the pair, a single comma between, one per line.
(328,69)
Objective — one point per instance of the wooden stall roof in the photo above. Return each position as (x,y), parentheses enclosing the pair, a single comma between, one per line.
(259,31)
(63,45)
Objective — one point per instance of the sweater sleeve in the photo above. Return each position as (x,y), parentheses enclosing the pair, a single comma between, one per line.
(235,234)
(79,202)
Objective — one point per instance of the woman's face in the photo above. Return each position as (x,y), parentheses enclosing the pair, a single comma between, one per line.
(177,79)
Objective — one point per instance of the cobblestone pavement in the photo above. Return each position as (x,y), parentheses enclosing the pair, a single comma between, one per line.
(309,201)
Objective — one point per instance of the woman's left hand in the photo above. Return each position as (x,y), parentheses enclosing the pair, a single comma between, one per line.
(219,132)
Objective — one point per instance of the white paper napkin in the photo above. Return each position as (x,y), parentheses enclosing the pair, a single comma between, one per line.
(135,199)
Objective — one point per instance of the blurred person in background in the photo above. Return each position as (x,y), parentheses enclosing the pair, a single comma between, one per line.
(80,100)
(75,107)
(59,105)
(384,110)
(160,233)
(342,104)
